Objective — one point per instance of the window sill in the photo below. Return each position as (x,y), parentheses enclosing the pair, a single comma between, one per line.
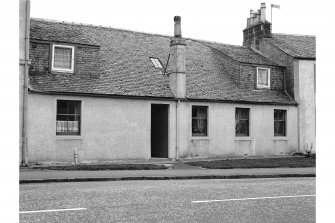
(262,88)
(280,138)
(69,137)
(199,137)
(243,138)
(62,71)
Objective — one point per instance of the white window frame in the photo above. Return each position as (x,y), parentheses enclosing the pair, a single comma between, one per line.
(269,78)
(53,59)
(249,123)
(80,117)
(207,127)
(285,135)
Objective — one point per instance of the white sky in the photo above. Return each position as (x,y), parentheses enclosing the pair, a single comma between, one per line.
(216,20)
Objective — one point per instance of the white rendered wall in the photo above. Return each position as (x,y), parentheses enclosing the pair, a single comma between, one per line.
(119,129)
(111,129)
(305,96)
(221,140)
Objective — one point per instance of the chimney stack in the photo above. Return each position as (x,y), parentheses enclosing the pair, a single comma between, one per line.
(263,12)
(257,27)
(177,77)
(258,16)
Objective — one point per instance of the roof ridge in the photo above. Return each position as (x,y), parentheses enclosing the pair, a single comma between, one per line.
(99,26)
(128,30)
(212,41)
(286,34)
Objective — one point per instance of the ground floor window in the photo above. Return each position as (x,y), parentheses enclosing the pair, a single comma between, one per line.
(242,121)
(279,122)
(68,117)
(199,120)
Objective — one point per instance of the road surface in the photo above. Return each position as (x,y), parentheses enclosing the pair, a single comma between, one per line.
(240,200)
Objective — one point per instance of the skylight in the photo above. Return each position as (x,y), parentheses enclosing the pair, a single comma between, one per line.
(156,62)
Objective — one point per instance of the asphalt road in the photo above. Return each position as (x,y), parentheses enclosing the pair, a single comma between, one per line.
(245,200)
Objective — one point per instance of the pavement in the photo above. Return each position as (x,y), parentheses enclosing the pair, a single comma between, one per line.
(176,171)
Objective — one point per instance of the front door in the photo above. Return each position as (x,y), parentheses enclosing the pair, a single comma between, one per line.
(159,130)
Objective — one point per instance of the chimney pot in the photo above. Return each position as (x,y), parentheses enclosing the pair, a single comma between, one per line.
(251,12)
(177,18)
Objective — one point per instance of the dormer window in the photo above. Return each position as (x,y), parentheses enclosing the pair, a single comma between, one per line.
(62,58)
(263,77)
(156,62)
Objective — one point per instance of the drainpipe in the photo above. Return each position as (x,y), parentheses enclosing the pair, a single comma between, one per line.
(177,138)
(25,87)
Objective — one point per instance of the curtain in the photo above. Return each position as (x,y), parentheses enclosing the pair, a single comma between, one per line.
(263,77)
(67,126)
(63,58)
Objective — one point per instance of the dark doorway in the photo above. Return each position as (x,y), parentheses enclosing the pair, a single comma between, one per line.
(159,130)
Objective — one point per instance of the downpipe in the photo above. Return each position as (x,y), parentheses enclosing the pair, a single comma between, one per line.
(25,88)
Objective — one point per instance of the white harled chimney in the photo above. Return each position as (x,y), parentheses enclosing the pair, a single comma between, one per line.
(177,77)
(263,12)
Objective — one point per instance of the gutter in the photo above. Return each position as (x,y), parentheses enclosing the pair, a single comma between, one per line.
(25,88)
(159,98)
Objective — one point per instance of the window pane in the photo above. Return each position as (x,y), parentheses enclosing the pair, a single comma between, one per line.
(279,115)
(279,122)
(263,77)
(194,111)
(242,121)
(62,107)
(74,108)
(63,58)
(68,117)
(202,112)
(156,63)
(199,120)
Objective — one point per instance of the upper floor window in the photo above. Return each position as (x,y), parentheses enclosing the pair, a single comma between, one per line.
(199,120)
(279,122)
(242,121)
(68,117)
(62,58)
(263,77)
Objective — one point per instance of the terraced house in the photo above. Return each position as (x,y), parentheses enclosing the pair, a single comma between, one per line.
(110,94)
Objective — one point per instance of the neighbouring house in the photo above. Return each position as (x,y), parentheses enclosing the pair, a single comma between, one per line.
(110,94)
(298,54)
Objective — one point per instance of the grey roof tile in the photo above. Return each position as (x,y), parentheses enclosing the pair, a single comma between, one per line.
(126,69)
(301,46)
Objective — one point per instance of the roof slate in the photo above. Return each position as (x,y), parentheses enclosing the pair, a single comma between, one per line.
(241,54)
(126,68)
(300,46)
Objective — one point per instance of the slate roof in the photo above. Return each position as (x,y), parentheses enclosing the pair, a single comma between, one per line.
(126,69)
(300,46)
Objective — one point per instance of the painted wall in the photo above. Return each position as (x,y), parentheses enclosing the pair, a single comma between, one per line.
(112,129)
(304,74)
(300,84)
(221,140)
(116,129)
